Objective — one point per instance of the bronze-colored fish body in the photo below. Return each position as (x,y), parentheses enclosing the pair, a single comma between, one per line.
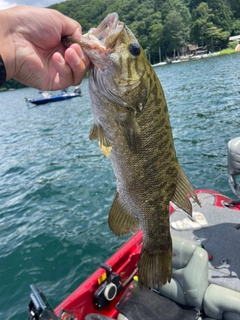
(132,127)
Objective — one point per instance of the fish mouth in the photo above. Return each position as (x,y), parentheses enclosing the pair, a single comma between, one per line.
(101,38)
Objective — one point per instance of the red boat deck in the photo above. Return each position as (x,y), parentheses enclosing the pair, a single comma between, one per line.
(123,262)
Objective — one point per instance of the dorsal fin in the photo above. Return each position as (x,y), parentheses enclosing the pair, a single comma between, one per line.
(183,189)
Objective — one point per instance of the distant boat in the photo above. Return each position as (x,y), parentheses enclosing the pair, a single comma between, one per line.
(46,98)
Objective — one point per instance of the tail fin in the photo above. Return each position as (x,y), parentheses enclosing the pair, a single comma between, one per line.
(155,269)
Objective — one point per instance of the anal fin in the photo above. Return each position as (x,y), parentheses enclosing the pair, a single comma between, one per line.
(183,189)
(120,221)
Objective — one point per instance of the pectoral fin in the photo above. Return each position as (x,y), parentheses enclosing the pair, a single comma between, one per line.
(120,221)
(131,130)
(93,135)
(97,133)
(183,189)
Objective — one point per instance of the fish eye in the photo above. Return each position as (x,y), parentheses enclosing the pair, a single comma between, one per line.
(134,49)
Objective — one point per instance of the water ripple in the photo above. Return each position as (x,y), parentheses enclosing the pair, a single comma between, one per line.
(56,187)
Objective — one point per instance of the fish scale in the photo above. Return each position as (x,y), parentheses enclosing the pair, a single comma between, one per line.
(132,126)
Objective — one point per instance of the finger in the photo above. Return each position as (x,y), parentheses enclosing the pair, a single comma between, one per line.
(77,33)
(71,27)
(63,77)
(77,61)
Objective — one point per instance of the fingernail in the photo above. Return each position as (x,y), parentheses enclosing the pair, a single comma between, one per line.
(76,58)
(60,59)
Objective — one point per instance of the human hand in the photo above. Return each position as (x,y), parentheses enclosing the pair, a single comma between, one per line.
(32,50)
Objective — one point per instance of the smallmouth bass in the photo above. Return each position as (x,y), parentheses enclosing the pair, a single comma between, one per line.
(133,129)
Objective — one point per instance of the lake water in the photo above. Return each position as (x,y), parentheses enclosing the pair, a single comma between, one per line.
(56,187)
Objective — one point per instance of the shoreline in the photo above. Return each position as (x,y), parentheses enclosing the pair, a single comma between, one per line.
(193,58)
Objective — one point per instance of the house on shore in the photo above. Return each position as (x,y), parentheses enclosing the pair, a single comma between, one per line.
(236,38)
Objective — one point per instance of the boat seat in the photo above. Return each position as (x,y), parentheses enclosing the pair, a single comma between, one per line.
(190,274)
(221,303)
(182,298)
(187,297)
(143,304)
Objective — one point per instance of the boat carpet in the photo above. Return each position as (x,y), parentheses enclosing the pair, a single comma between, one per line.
(220,238)
(148,305)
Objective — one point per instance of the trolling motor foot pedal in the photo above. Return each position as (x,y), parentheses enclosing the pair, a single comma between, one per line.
(108,289)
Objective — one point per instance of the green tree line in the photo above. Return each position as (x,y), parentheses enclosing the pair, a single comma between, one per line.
(163,27)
